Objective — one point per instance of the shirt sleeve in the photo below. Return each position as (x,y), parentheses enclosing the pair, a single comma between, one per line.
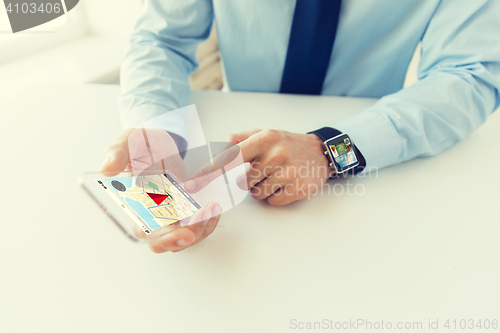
(458,88)
(161,56)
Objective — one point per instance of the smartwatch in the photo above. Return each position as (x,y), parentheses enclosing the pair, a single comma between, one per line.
(342,154)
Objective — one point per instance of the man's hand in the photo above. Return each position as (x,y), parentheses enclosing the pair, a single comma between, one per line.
(141,150)
(144,150)
(285,166)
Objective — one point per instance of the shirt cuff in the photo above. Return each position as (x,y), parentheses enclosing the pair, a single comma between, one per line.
(375,136)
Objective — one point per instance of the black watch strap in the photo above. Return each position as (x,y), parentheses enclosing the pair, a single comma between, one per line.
(327,133)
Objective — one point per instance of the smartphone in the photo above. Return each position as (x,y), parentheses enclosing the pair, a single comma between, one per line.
(144,207)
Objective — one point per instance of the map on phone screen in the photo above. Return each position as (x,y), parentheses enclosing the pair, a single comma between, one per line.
(159,200)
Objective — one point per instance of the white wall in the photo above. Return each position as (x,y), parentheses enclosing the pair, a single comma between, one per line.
(111,17)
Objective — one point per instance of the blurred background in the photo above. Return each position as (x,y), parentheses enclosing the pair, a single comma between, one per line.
(87,46)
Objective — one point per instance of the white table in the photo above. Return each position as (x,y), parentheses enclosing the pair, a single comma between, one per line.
(421,243)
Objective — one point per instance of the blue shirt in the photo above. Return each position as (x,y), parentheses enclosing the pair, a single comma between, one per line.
(459,70)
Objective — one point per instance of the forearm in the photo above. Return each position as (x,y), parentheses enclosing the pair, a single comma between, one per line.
(458,88)
(422,120)
(161,56)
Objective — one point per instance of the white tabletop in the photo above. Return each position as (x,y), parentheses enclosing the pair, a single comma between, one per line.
(421,243)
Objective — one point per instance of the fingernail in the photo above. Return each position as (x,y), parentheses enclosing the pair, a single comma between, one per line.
(183,242)
(216,210)
(190,185)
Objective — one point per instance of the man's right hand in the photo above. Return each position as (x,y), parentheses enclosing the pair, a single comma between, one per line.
(140,150)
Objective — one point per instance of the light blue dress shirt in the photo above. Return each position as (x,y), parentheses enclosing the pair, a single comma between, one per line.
(459,71)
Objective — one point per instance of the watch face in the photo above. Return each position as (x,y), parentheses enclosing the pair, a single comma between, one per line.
(343,154)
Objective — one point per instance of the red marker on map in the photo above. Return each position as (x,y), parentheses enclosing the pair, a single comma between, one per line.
(158,198)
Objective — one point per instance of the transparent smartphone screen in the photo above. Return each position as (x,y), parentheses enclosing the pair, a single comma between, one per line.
(152,201)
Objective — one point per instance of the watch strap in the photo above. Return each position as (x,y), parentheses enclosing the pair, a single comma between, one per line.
(326,133)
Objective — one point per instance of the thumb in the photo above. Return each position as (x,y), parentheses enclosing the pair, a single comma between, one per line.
(242,136)
(115,162)
(116,156)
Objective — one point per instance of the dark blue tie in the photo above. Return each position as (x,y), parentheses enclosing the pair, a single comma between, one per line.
(310,47)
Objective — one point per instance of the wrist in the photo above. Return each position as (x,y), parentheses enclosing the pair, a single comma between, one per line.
(316,142)
(319,149)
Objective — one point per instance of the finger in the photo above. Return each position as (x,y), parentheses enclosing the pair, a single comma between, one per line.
(200,221)
(255,174)
(261,168)
(208,230)
(211,225)
(267,187)
(176,240)
(285,195)
(202,214)
(160,143)
(216,214)
(116,156)
(222,162)
(242,136)
(205,228)
(250,149)
(173,165)
(143,146)
(180,239)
